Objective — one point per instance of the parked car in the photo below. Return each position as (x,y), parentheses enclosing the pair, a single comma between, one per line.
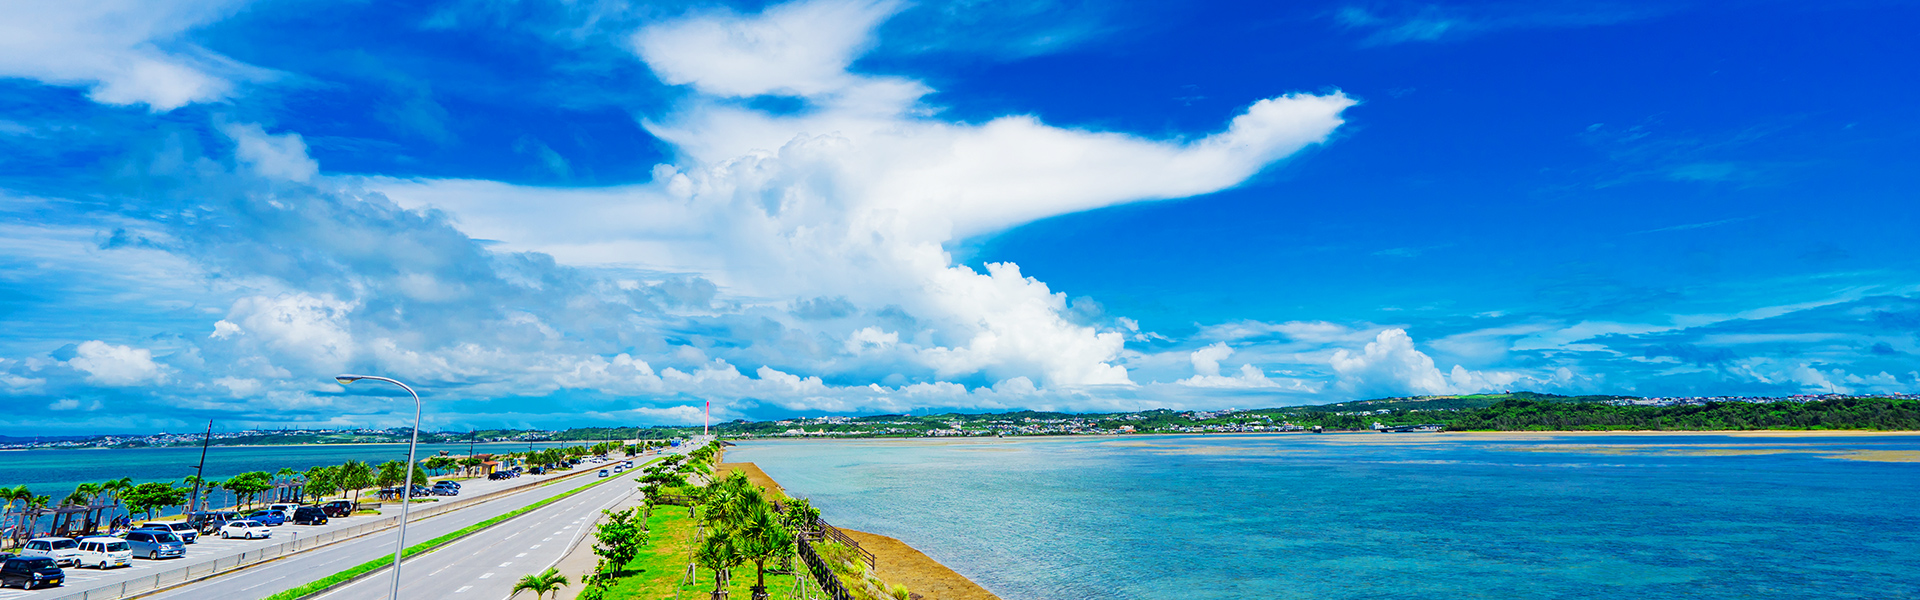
(284,508)
(155,544)
(272,518)
(248,529)
(61,550)
(338,508)
(499,475)
(186,532)
(31,572)
(103,552)
(309,515)
(210,522)
(536,471)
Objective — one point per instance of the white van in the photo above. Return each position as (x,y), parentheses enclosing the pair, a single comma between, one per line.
(61,550)
(104,552)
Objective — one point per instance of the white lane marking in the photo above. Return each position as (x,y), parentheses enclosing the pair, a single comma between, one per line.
(546,539)
(263,583)
(463,588)
(533,546)
(520,555)
(507,564)
(438,572)
(486,576)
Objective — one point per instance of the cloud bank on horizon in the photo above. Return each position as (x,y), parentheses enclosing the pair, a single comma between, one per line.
(575,214)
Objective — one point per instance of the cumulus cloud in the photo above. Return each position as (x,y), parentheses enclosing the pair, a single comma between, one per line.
(849,202)
(125,52)
(799,48)
(1206,371)
(281,156)
(117,366)
(1390,365)
(305,330)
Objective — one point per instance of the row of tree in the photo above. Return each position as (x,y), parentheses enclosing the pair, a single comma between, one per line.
(1845,413)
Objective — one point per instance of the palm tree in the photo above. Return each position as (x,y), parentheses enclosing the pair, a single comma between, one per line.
(719,555)
(283,479)
(763,537)
(540,585)
(16,494)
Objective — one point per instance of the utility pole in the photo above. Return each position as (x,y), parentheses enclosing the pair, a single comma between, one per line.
(200,472)
(707,420)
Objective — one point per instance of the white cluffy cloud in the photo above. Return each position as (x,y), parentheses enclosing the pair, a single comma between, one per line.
(1206,371)
(272,156)
(1390,365)
(115,365)
(293,329)
(125,51)
(856,195)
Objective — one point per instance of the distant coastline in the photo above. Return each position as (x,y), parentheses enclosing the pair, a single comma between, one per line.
(1524,412)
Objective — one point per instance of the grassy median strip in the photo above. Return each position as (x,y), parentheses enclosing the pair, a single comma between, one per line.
(382,562)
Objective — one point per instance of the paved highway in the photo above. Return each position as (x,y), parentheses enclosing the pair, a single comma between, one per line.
(267,579)
(212,547)
(485,565)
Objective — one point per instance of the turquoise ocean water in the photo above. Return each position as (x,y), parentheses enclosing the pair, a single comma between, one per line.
(1382,515)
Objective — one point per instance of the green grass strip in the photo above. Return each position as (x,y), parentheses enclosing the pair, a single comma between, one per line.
(373,565)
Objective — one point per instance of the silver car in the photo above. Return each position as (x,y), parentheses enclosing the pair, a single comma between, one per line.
(155,544)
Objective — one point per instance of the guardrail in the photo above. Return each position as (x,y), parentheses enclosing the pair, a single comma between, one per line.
(831,533)
(204,569)
(822,574)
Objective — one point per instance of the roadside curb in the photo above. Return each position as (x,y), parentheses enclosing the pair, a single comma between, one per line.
(437,543)
(442,544)
(501,495)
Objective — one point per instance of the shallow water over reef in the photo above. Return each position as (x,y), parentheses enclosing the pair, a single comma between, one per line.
(1384,515)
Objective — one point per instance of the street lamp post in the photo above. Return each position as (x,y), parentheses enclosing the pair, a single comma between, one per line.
(406,493)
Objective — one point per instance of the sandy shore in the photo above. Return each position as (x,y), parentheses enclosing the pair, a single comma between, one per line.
(894,560)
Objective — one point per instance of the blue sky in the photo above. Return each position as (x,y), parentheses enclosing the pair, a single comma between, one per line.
(575,213)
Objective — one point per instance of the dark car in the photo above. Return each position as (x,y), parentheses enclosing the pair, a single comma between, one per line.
(209,522)
(338,508)
(272,518)
(309,515)
(31,572)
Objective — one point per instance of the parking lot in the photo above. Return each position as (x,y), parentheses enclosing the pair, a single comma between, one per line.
(211,547)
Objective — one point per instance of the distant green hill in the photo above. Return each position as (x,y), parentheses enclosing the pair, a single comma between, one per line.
(1468,401)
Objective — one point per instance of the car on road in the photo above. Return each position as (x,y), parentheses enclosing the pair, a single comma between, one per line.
(61,550)
(248,529)
(338,508)
(603,472)
(272,518)
(155,545)
(104,552)
(186,532)
(29,572)
(309,515)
